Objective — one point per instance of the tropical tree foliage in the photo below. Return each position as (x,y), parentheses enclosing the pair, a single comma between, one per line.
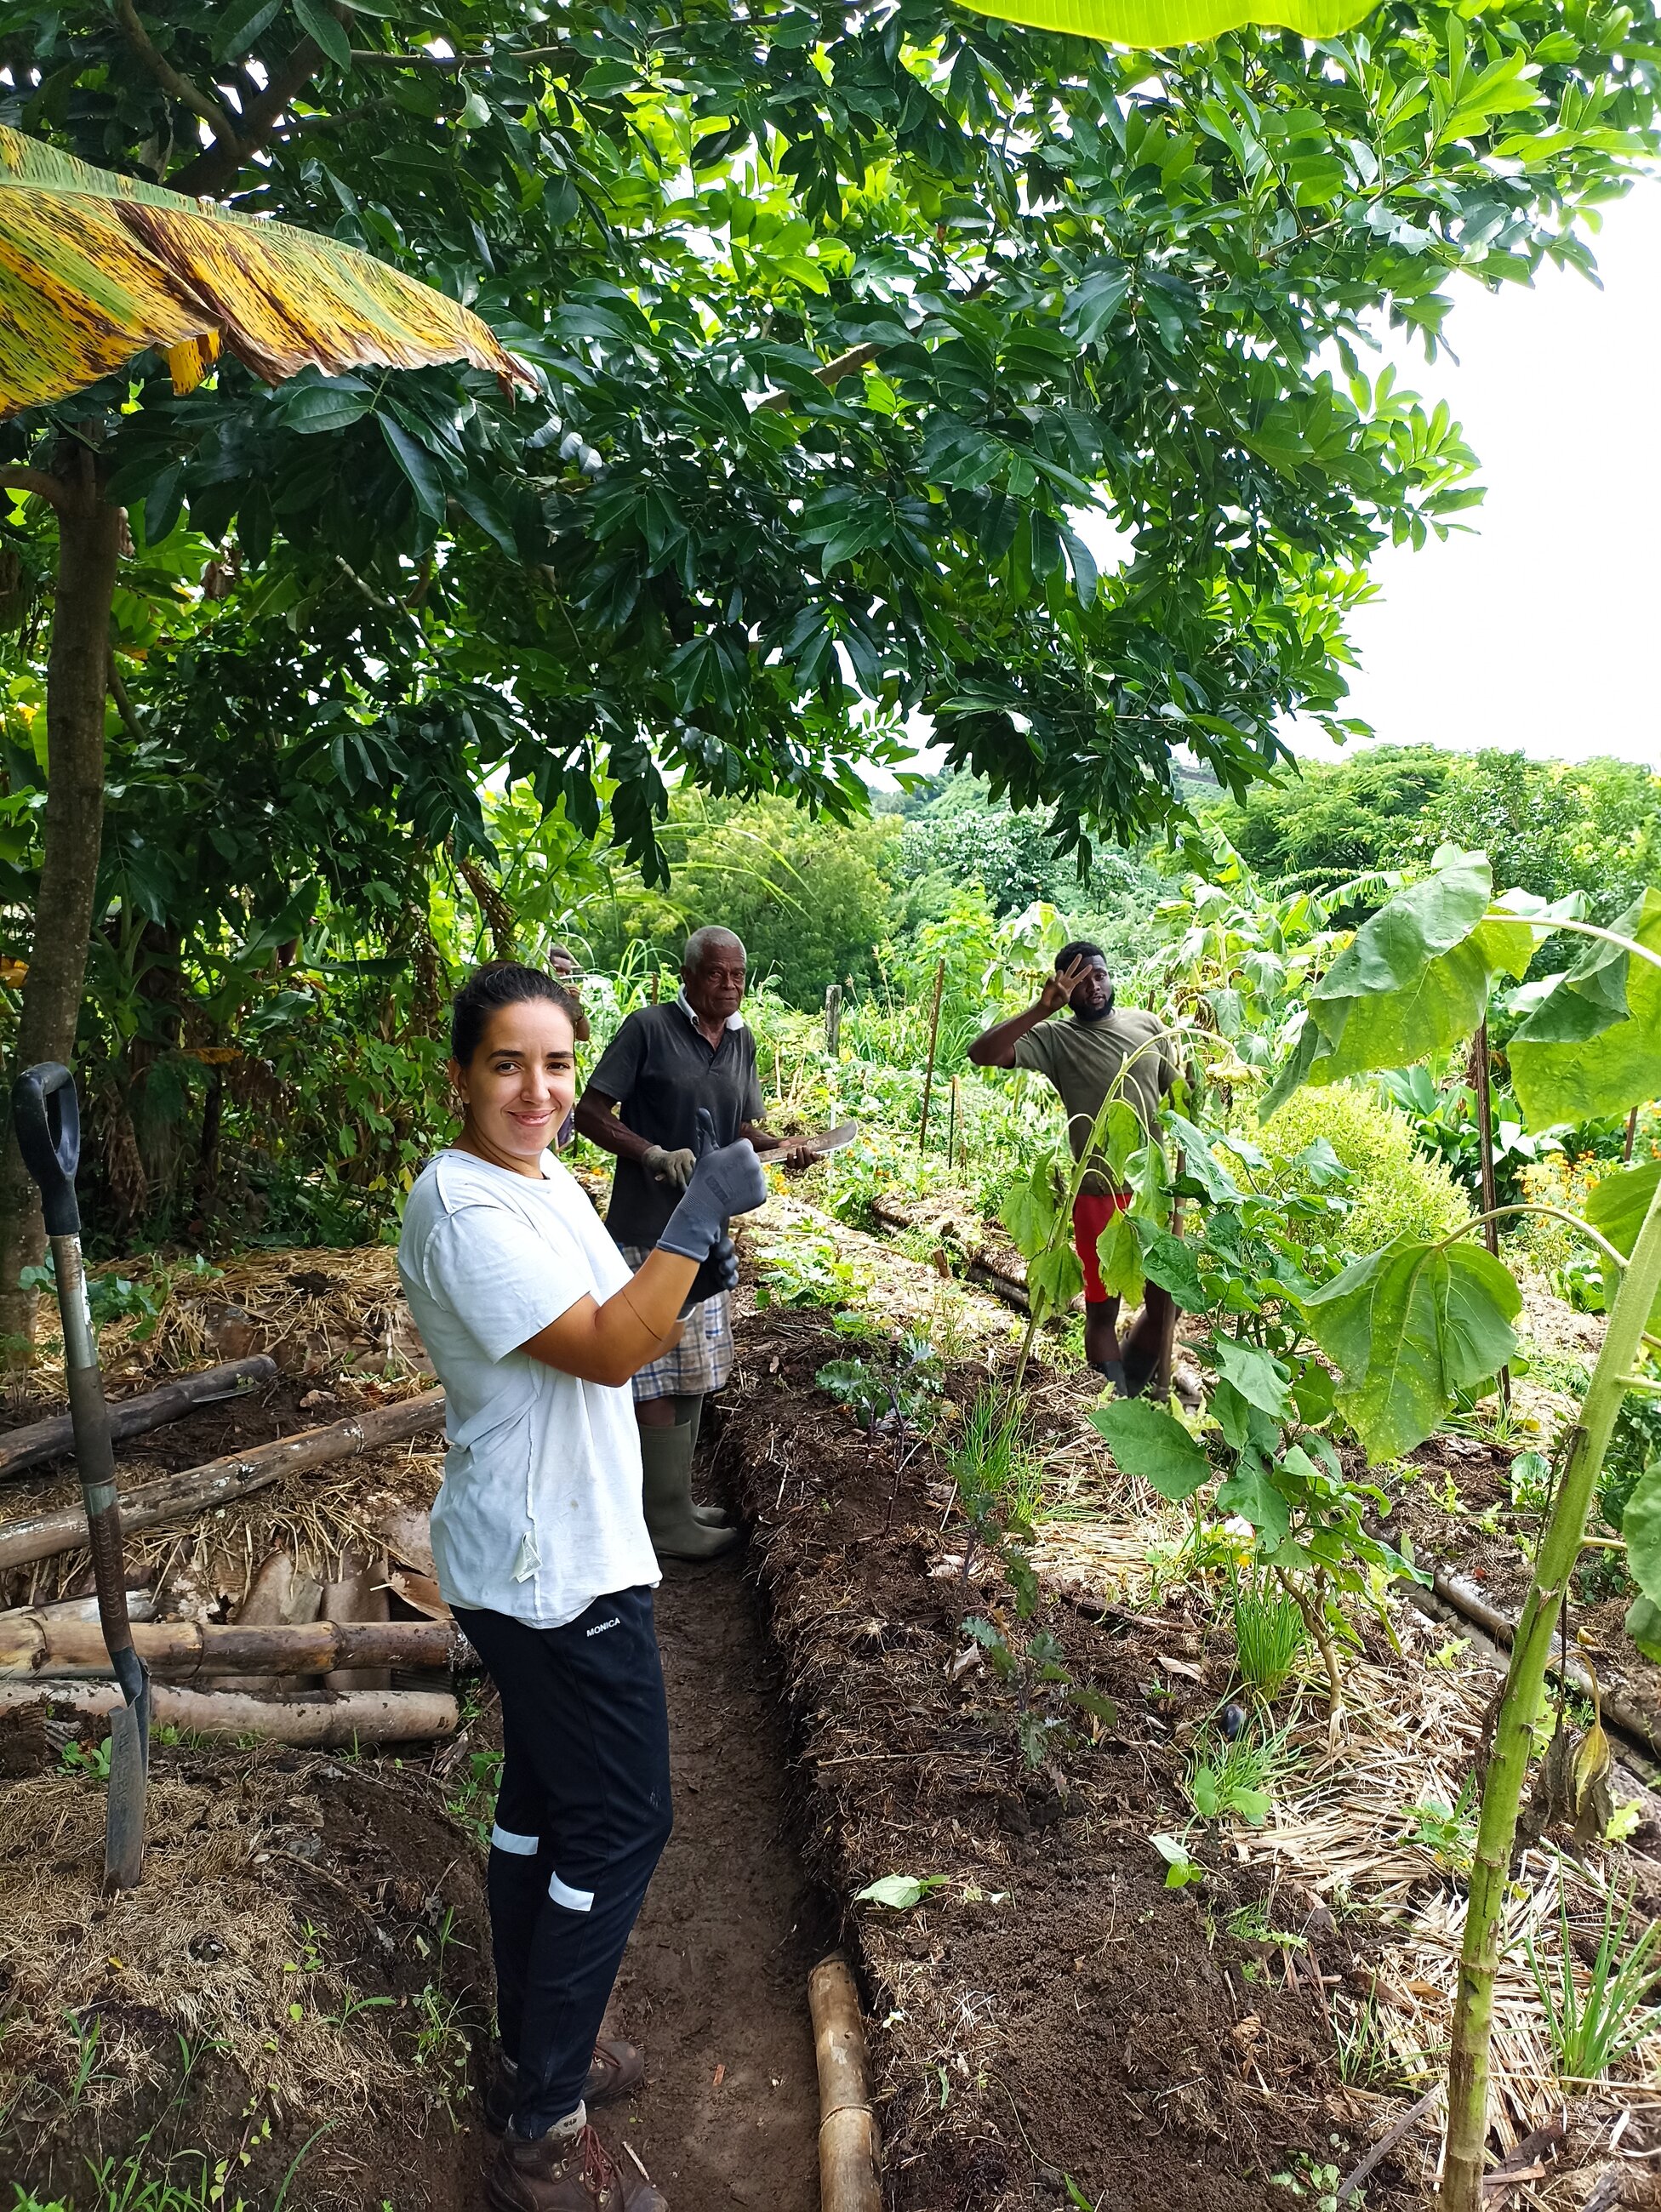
(1043,273)
(1553,827)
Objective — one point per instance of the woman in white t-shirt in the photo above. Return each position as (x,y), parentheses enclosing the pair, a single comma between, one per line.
(535,1325)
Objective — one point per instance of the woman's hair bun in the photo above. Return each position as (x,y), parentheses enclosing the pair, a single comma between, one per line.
(495,984)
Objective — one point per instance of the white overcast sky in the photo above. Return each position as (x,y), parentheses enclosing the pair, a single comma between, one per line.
(1537,626)
(1539,631)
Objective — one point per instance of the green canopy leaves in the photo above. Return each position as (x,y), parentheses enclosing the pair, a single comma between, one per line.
(1409,1327)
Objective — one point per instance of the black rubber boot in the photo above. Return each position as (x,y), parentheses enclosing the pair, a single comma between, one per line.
(670,1520)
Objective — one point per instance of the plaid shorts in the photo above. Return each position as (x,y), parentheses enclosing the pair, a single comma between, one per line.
(702,1360)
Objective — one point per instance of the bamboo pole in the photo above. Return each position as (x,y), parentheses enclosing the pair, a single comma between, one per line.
(934,1039)
(330,1720)
(33,1643)
(136,1417)
(198,1489)
(850,2148)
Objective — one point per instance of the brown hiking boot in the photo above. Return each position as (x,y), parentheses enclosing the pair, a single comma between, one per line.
(566,2173)
(617,2070)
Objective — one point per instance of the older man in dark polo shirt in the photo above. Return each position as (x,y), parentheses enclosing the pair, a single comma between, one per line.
(641,1102)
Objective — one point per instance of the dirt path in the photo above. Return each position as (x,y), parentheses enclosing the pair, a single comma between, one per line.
(715,1984)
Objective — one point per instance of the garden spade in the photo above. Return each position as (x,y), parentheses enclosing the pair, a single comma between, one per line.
(47,1118)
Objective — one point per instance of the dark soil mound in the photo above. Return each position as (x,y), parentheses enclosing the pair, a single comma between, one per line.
(1052,2012)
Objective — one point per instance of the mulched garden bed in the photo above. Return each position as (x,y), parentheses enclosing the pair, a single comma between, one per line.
(1051,2013)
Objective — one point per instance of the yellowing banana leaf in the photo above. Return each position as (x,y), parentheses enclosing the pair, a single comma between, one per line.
(96,268)
(1176,23)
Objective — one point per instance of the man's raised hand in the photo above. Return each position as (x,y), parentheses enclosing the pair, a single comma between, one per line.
(1058,989)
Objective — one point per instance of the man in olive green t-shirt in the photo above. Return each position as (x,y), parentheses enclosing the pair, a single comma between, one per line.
(1096,1053)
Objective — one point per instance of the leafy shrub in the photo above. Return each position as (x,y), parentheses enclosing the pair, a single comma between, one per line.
(1395,1189)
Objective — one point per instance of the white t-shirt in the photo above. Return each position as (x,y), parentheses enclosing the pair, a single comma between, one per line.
(540,1510)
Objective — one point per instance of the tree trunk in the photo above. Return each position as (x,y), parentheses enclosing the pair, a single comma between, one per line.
(89,537)
(157,1107)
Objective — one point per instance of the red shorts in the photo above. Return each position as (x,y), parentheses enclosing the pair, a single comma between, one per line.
(1091,1215)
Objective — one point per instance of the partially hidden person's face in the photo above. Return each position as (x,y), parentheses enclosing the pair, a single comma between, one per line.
(715,988)
(1092,996)
(518,1085)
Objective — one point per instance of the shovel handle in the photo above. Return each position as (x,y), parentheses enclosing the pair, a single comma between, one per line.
(46,1115)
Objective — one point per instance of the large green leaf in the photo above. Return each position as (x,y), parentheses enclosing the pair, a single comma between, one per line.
(1408,1328)
(1250,1493)
(1391,950)
(1175,22)
(1413,980)
(1640,1524)
(1255,1375)
(1119,1255)
(1592,1046)
(1644,1626)
(1170,1263)
(96,268)
(1152,1445)
(1617,1207)
(1054,1280)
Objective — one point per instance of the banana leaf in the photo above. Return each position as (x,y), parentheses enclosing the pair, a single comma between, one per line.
(1175,22)
(95,269)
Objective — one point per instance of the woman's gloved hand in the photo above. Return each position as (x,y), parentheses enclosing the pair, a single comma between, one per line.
(728,1179)
(674,1167)
(720,1272)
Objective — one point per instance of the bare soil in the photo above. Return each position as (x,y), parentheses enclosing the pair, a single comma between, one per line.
(278,1878)
(714,1983)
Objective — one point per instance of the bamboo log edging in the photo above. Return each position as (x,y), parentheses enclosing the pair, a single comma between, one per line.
(333,1720)
(198,1489)
(1465,1599)
(136,1417)
(33,1646)
(850,2148)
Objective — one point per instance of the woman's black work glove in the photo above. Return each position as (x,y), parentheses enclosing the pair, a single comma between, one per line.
(728,1179)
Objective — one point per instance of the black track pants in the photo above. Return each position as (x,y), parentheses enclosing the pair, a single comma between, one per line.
(581,1818)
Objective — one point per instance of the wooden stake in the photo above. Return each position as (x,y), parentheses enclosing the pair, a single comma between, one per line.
(1479,1068)
(832,1018)
(951,1128)
(1632,1137)
(198,1489)
(850,2148)
(934,1039)
(325,1722)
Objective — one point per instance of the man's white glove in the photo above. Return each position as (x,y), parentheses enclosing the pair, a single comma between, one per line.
(674,1167)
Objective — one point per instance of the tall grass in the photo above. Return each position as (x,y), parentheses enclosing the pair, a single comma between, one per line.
(1595,2022)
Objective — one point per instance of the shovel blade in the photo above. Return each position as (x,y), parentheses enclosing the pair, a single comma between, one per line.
(130,1756)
